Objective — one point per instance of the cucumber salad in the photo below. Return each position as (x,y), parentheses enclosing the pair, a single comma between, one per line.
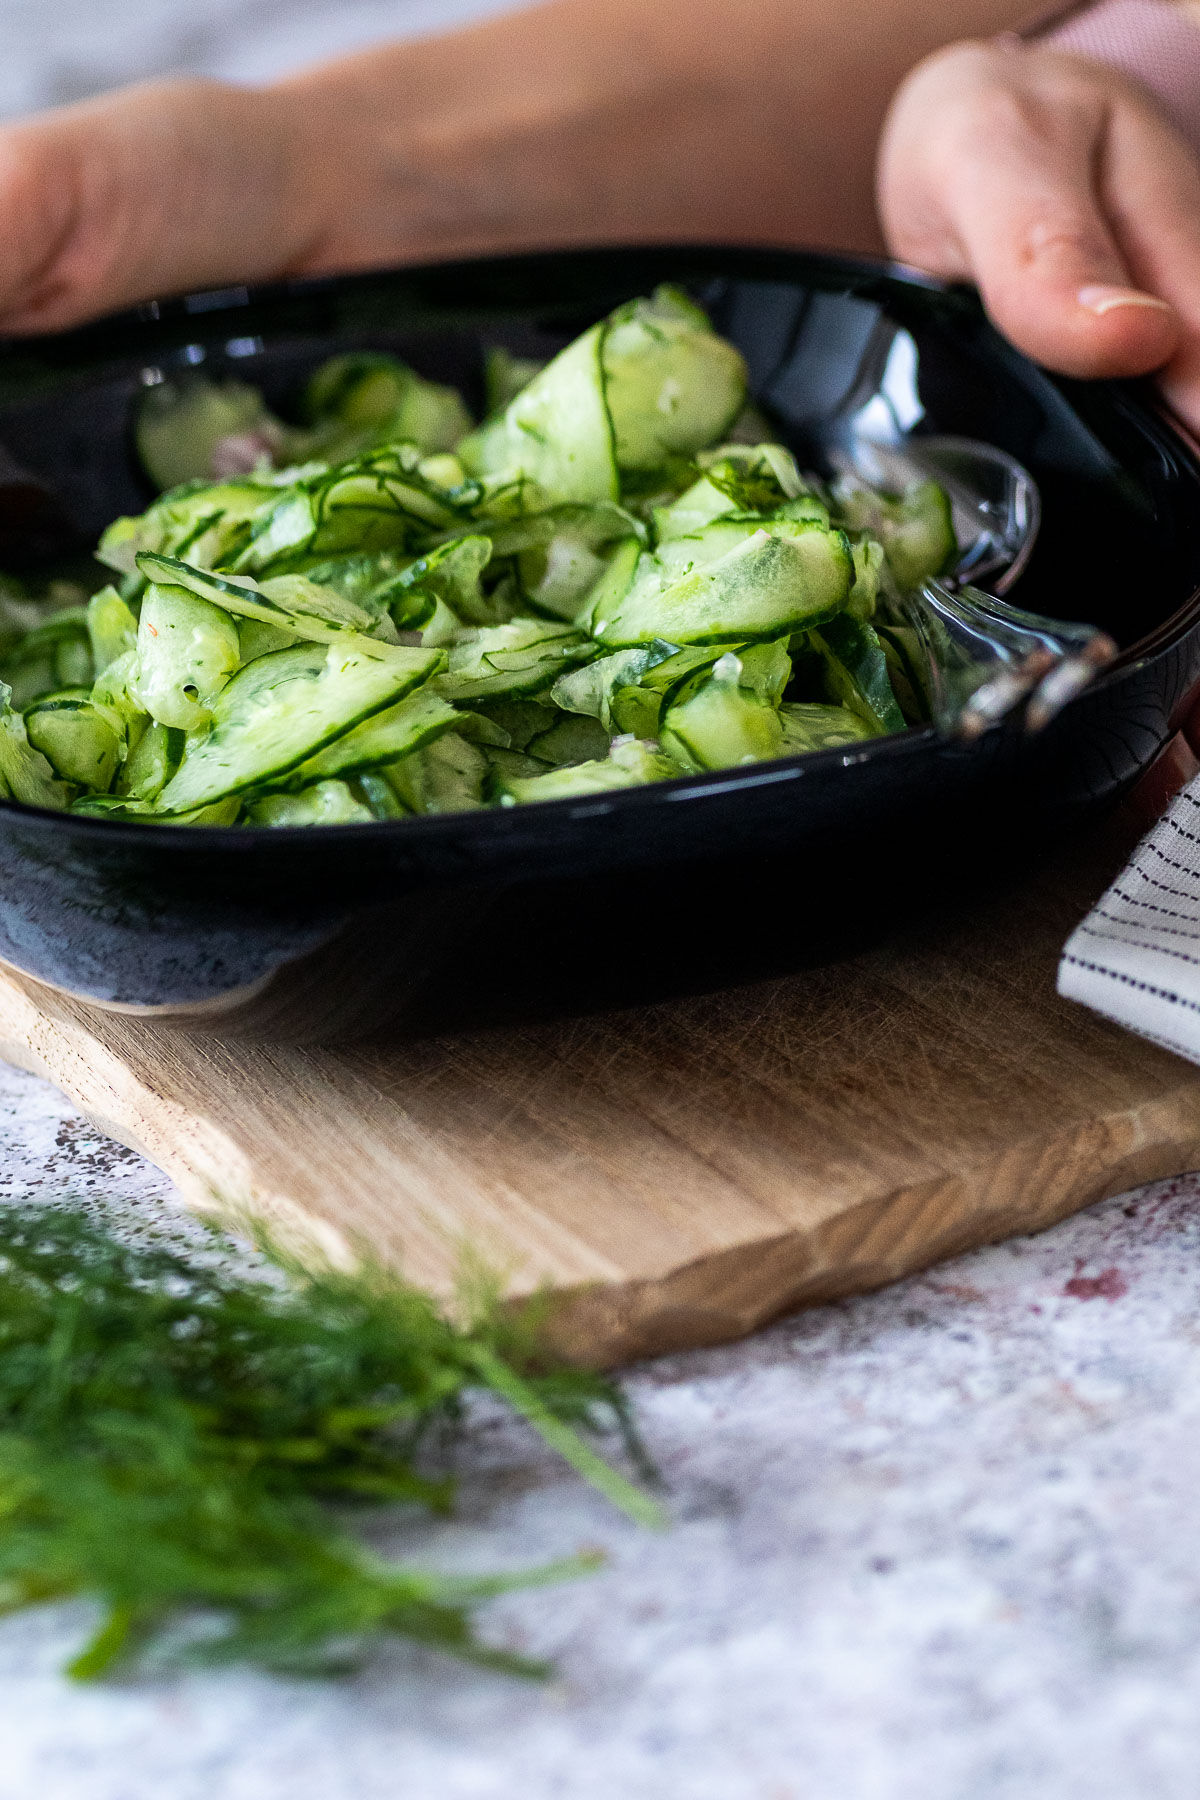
(387,610)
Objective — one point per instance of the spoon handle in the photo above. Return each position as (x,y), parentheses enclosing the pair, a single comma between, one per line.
(988,661)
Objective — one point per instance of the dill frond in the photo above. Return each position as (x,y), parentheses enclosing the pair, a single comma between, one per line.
(180,1439)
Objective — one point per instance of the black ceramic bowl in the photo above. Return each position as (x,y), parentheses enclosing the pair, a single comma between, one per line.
(690,884)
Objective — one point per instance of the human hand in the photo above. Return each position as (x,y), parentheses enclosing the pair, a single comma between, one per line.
(1057,187)
(152,190)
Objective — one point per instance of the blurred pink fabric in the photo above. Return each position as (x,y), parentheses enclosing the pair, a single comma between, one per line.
(1153,41)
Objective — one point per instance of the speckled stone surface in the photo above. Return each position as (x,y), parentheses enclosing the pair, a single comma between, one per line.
(51,54)
(942,1543)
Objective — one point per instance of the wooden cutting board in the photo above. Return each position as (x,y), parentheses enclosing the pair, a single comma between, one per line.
(682,1174)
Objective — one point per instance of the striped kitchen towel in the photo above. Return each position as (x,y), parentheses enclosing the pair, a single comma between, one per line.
(1136,956)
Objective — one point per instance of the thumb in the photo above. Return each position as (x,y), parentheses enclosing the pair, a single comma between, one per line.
(1151,183)
(1008,174)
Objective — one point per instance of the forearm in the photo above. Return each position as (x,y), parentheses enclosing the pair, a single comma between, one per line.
(151,190)
(741,120)
(577,121)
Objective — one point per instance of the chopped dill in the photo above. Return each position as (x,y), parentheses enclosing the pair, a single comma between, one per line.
(180,1439)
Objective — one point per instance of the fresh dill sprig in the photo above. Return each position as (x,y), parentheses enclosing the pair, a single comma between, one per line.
(174,1430)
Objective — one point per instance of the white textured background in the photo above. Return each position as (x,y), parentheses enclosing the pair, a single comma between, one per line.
(53,51)
(938,1544)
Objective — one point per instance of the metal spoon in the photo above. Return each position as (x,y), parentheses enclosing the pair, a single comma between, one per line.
(987,662)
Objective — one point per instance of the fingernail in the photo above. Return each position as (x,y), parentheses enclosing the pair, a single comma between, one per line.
(1101,300)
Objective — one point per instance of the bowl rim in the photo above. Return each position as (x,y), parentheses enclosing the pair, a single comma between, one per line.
(130,327)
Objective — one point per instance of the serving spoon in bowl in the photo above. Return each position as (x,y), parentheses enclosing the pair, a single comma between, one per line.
(983,662)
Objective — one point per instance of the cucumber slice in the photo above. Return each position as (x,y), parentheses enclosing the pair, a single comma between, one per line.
(148,768)
(613,585)
(638,708)
(674,559)
(443,630)
(28,676)
(868,558)
(766,670)
(481,727)
(695,508)
(628,691)
(555,437)
(205,523)
(116,806)
(73,657)
(257,638)
(512,765)
(560,555)
(187,649)
(325,803)
(56,654)
(180,425)
(685,554)
(302,601)
(590,690)
(450,574)
(291,602)
(361,389)
(523,657)
(369,392)
(740,479)
(709,499)
(722,723)
(366,582)
(508,724)
(379,501)
(918,534)
(444,470)
(447,776)
(505,375)
(25,774)
(113,690)
(112,628)
(383,738)
(571,739)
(358,578)
(78,740)
(807,726)
(377,793)
(628,764)
(787,576)
(681,556)
(672,386)
(856,673)
(282,709)
(916,529)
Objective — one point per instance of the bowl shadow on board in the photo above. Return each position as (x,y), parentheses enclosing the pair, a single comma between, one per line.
(441,924)
(536,953)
